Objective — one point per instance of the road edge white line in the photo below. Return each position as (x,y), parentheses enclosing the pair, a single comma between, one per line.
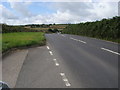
(110,51)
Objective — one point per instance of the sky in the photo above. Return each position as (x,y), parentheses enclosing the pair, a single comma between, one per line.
(18,12)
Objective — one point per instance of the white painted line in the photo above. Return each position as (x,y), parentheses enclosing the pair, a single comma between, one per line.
(63,35)
(77,40)
(110,51)
(62,74)
(50,52)
(71,38)
(82,41)
(65,79)
(74,39)
(54,59)
(48,47)
(56,63)
(68,84)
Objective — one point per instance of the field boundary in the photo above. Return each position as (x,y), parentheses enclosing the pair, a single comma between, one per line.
(9,51)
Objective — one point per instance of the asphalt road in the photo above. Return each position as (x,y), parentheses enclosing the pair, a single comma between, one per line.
(70,61)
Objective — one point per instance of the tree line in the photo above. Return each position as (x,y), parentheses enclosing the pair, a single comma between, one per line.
(19,28)
(108,29)
(9,28)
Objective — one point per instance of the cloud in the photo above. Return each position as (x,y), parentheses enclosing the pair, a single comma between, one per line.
(105,1)
(105,10)
(6,13)
(21,8)
(66,12)
(61,0)
(87,11)
(63,17)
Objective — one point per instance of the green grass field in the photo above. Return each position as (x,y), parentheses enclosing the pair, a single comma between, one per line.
(21,39)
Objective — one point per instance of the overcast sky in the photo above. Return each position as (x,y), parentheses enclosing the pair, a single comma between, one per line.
(39,12)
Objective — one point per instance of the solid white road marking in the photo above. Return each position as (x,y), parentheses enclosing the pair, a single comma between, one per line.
(50,52)
(65,79)
(110,51)
(48,47)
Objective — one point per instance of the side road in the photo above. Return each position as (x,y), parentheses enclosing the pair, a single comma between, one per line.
(11,66)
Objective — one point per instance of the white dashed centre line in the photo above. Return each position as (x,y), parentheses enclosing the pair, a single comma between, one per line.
(71,38)
(65,79)
(62,74)
(48,47)
(63,35)
(110,51)
(50,52)
(82,41)
(56,63)
(77,40)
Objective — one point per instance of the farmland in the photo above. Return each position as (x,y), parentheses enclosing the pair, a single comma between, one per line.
(31,28)
(45,28)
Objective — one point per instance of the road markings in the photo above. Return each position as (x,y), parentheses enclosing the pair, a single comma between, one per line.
(65,79)
(50,52)
(63,35)
(48,47)
(71,38)
(110,51)
(56,63)
(82,41)
(78,40)
(62,74)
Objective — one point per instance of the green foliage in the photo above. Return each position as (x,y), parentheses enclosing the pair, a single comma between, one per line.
(50,30)
(10,29)
(20,39)
(108,29)
(53,30)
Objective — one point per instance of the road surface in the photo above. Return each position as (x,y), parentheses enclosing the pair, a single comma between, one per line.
(70,61)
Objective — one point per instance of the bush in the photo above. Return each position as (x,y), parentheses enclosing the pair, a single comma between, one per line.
(104,29)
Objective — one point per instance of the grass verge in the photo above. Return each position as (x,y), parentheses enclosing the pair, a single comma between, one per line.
(22,39)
